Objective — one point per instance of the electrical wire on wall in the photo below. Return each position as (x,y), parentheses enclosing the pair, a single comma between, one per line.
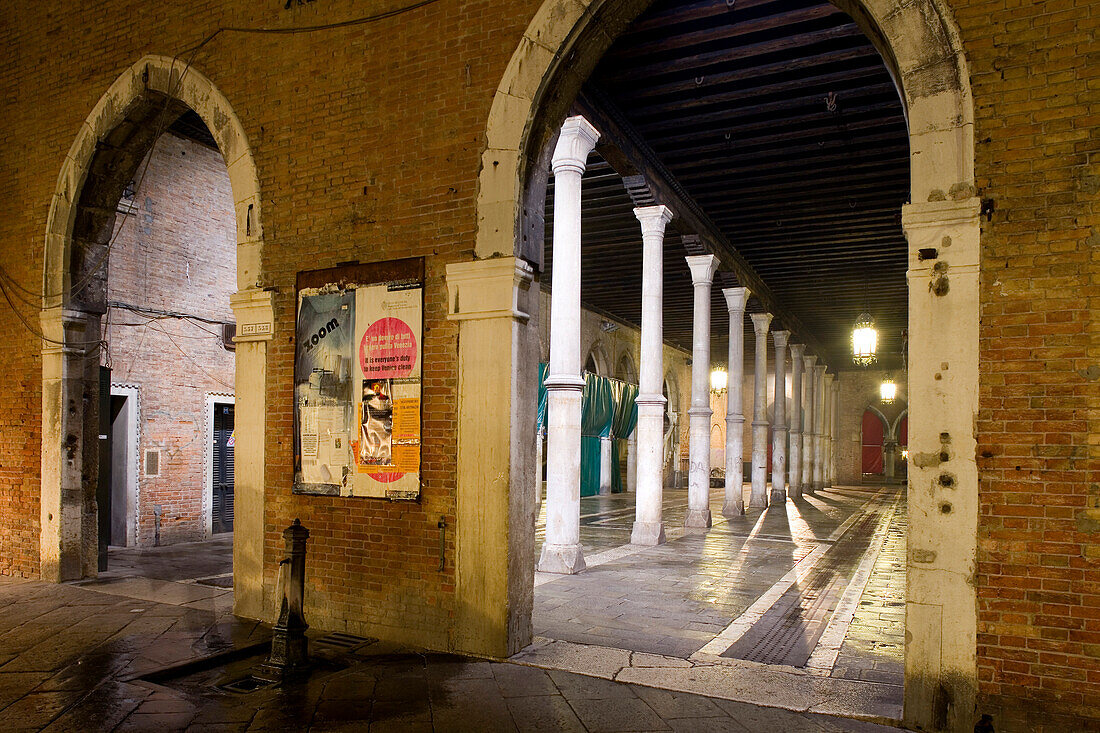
(12,291)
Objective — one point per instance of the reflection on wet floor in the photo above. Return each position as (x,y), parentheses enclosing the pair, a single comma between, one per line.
(816,584)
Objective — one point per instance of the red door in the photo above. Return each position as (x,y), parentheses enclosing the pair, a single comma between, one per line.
(873,435)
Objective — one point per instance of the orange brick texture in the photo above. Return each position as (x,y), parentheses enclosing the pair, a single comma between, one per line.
(176,252)
(1036,80)
(367,141)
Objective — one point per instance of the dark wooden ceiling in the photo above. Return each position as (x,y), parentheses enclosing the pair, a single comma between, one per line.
(780,121)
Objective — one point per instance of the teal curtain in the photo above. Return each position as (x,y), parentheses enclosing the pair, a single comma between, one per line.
(597,415)
(540,419)
(608,410)
(622,425)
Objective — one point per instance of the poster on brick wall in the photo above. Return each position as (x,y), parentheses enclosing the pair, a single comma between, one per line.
(357,380)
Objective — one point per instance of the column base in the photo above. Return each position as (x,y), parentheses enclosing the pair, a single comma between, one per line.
(561,559)
(807,488)
(697,519)
(648,533)
(778,496)
(819,485)
(733,509)
(794,492)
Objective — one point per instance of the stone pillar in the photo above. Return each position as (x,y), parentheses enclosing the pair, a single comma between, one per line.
(698,515)
(808,433)
(819,427)
(779,421)
(734,503)
(650,431)
(632,461)
(561,552)
(540,438)
(833,454)
(794,479)
(829,439)
(605,466)
(758,496)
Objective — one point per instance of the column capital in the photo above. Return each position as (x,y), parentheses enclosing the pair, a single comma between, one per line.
(653,218)
(780,339)
(760,322)
(577,139)
(820,369)
(797,350)
(702,268)
(735,298)
(809,360)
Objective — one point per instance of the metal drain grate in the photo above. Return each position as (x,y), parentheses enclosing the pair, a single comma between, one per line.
(337,640)
(246,685)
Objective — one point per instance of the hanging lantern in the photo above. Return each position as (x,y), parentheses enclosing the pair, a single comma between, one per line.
(888,391)
(864,340)
(719,378)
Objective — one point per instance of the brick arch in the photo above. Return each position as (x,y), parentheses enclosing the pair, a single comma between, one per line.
(921,46)
(108,148)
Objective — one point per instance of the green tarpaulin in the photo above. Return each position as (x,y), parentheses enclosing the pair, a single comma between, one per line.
(608,410)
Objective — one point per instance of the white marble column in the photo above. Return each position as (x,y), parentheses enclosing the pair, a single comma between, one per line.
(540,438)
(836,432)
(561,552)
(779,421)
(632,461)
(758,496)
(648,527)
(702,274)
(794,478)
(734,504)
(827,438)
(819,427)
(808,433)
(605,466)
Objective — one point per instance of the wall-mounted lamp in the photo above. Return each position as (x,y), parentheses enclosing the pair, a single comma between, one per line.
(864,340)
(888,391)
(719,379)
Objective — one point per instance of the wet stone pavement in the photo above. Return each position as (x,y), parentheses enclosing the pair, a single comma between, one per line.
(74,659)
(648,627)
(810,589)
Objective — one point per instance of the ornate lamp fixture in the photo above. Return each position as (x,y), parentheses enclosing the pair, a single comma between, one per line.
(864,340)
(888,391)
(719,378)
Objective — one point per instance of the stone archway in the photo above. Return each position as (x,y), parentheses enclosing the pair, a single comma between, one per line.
(921,45)
(108,147)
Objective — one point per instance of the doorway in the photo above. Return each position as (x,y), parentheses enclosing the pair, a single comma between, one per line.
(220,468)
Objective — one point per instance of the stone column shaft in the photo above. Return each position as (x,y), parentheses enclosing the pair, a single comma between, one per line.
(649,434)
(826,458)
(794,479)
(808,434)
(561,552)
(836,432)
(819,427)
(779,425)
(758,496)
(702,274)
(734,503)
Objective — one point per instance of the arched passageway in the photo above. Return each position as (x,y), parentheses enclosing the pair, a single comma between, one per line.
(545,74)
(145,101)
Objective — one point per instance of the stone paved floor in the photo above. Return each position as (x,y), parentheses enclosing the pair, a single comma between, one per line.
(73,659)
(688,598)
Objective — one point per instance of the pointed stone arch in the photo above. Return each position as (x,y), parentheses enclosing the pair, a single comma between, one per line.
(110,144)
(921,46)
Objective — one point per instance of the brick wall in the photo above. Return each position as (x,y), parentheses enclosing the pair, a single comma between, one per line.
(367,141)
(1035,82)
(175,252)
